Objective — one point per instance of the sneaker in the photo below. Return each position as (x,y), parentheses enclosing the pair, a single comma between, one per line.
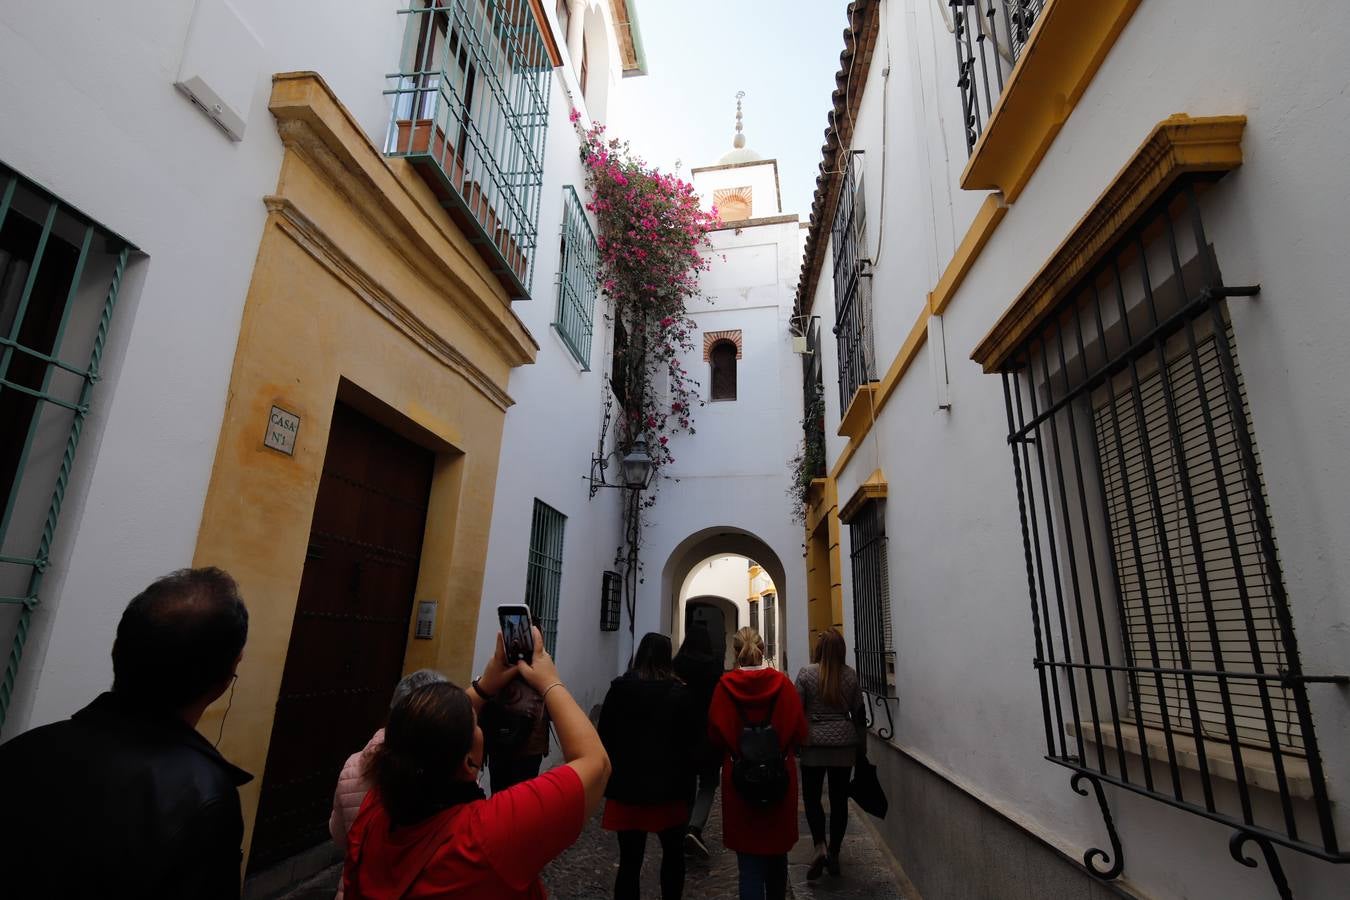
(693,844)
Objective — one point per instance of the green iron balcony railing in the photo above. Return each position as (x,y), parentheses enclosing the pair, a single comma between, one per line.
(59,277)
(470,111)
(577,280)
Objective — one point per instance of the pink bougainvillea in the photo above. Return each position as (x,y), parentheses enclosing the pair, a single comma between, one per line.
(652,237)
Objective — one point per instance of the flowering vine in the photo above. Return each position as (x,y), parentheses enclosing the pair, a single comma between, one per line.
(651,238)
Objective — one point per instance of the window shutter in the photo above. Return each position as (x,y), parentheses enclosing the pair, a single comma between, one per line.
(1143,582)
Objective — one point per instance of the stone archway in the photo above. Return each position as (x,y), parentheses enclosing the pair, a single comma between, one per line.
(708,543)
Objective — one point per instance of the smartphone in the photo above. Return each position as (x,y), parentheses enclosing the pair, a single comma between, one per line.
(517,637)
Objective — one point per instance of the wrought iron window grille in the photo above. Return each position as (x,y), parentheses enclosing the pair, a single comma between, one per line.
(578,265)
(813,402)
(470,111)
(873,649)
(852,283)
(543,571)
(1165,649)
(990,37)
(60,276)
(610,585)
(770,630)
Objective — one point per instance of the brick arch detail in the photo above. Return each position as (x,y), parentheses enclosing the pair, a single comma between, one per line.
(712,337)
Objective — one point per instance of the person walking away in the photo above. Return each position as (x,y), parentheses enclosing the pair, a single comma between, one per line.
(126,798)
(756,720)
(700,669)
(831,696)
(649,727)
(354,780)
(515,727)
(427,830)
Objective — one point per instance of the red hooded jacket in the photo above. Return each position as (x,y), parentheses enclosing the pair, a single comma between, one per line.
(747,829)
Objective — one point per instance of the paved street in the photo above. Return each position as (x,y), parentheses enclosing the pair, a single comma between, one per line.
(586,872)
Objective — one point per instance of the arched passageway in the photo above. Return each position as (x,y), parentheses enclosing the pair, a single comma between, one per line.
(726,576)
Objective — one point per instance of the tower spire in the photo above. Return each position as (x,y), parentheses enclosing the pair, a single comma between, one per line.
(739,141)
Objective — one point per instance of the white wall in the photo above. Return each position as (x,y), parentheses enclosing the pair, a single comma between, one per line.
(91,113)
(720,576)
(957,576)
(733,473)
(761,178)
(554,428)
(130,151)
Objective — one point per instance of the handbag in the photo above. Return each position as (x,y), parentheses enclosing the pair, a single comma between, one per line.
(865,788)
(513,722)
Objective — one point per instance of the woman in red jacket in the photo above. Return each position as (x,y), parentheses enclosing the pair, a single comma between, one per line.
(761,833)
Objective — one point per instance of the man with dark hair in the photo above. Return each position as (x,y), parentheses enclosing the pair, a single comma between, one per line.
(125,798)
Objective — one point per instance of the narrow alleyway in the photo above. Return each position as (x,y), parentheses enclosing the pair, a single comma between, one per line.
(586,872)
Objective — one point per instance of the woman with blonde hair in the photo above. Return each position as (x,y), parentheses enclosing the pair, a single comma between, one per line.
(756,721)
(832,698)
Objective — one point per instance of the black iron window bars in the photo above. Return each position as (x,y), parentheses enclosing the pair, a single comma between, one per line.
(543,571)
(852,284)
(1165,649)
(813,401)
(60,274)
(610,585)
(990,36)
(873,649)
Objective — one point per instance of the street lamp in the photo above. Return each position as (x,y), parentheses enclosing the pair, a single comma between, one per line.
(637,466)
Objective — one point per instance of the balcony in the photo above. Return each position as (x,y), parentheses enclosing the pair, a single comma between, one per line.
(1021,67)
(470,112)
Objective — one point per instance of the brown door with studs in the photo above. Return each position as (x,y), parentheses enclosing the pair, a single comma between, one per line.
(350,629)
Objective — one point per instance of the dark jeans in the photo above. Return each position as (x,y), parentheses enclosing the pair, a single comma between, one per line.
(703,800)
(506,771)
(813,778)
(633,846)
(762,877)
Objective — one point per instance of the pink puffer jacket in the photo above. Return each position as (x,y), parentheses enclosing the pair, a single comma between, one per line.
(352,785)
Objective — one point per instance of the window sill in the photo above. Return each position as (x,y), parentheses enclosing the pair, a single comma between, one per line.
(858,417)
(1067,47)
(1258,765)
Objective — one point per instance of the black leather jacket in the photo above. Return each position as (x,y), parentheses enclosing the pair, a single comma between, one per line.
(119,801)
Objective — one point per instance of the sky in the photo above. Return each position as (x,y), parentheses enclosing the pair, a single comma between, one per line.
(782,53)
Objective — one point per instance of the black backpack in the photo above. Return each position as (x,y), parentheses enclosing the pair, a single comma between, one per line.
(759,768)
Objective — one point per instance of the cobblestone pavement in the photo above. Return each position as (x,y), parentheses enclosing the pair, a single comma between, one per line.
(586,871)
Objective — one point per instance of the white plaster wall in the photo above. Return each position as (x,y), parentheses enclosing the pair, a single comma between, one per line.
(129,150)
(550,435)
(90,112)
(957,577)
(733,472)
(721,576)
(761,178)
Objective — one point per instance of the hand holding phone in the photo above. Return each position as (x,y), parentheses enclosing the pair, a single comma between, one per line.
(517,636)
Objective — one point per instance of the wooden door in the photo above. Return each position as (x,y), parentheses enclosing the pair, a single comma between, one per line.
(350,629)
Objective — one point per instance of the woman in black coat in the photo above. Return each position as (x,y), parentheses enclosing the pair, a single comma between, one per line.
(650,729)
(699,667)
